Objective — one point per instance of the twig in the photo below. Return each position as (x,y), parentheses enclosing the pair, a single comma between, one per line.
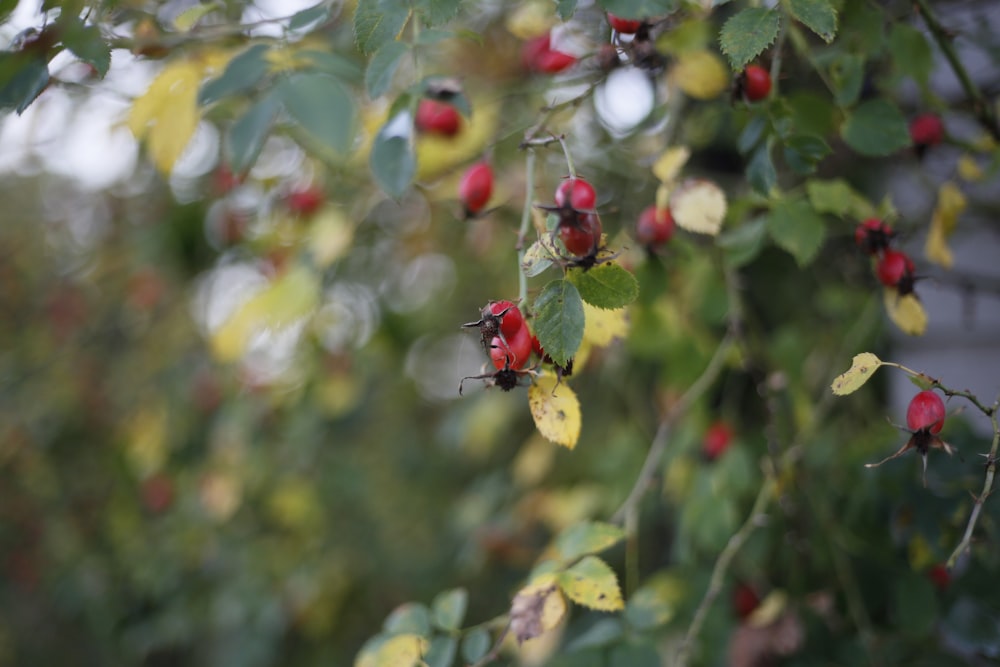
(529,186)
(991,469)
(721,568)
(494,652)
(980,107)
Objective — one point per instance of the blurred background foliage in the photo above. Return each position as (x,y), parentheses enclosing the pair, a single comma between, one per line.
(176,492)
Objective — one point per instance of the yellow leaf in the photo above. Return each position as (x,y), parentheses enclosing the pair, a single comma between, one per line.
(863,366)
(146,446)
(167,113)
(556,410)
(282,60)
(699,206)
(190,16)
(906,312)
(437,154)
(603,326)
(670,163)
(399,651)
(969,169)
(951,204)
(295,505)
(768,611)
(920,553)
(288,299)
(531,19)
(537,608)
(593,584)
(533,462)
(330,236)
(701,74)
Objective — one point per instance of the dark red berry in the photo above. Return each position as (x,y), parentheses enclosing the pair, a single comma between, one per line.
(873,236)
(756,83)
(939,576)
(512,353)
(926,130)
(717,439)
(305,201)
(434,117)
(582,237)
(894,269)
(655,226)
(576,193)
(624,26)
(745,600)
(537,55)
(476,187)
(925,412)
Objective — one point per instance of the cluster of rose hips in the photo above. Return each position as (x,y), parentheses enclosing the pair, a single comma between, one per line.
(893,268)
(507,340)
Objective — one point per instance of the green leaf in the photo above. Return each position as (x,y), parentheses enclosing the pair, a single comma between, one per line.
(803,152)
(393,162)
(309,16)
(432,36)
(559,320)
(539,256)
(379,21)
(6,7)
(409,618)
(863,367)
(746,34)
(593,584)
(743,243)
(246,136)
(333,64)
(634,655)
(321,106)
(587,537)
(638,9)
(87,44)
(797,228)
(876,127)
(837,197)
(605,631)
(565,9)
(752,133)
(438,12)
(911,54)
(378,76)
(242,74)
(817,15)
(606,286)
(848,76)
(475,645)
(760,170)
(22,79)
(441,652)
(656,601)
(448,608)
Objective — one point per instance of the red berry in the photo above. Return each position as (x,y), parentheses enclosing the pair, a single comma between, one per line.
(579,193)
(305,201)
(756,83)
(624,26)
(939,576)
(476,187)
(717,439)
(894,268)
(927,130)
(434,117)
(581,237)
(873,236)
(511,319)
(512,354)
(655,226)
(537,55)
(745,600)
(926,411)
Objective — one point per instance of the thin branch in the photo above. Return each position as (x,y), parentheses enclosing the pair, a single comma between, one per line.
(522,233)
(494,652)
(991,469)
(980,106)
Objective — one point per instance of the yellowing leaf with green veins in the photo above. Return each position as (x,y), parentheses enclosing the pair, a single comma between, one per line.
(906,312)
(863,366)
(593,584)
(330,236)
(555,409)
(670,163)
(951,204)
(286,301)
(601,326)
(167,114)
(699,206)
(404,650)
(700,74)
(537,608)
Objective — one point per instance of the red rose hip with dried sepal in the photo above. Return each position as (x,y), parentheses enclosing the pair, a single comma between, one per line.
(476,188)
(755,83)
(511,352)
(582,234)
(873,236)
(926,130)
(896,269)
(507,340)
(655,226)
(440,118)
(537,55)
(577,194)
(925,418)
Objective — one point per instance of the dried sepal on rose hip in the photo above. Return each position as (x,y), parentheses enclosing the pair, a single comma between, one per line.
(895,269)
(925,417)
(873,236)
(507,341)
